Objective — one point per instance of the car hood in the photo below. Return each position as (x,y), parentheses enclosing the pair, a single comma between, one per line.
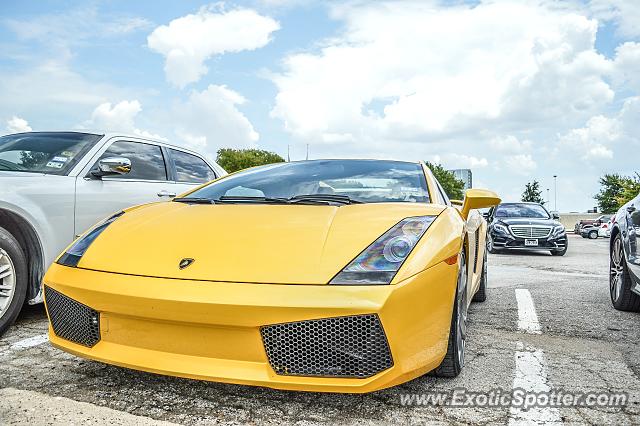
(527,221)
(257,243)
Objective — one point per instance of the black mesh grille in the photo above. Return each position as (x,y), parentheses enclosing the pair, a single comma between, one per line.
(72,320)
(353,346)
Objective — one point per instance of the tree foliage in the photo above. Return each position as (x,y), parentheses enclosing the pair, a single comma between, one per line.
(453,187)
(616,190)
(233,160)
(532,193)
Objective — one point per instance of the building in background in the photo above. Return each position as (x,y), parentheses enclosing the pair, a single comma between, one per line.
(465,176)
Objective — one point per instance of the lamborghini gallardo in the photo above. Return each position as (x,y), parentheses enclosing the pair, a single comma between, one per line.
(323,275)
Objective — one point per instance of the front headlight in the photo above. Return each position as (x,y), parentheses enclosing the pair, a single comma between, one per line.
(500,228)
(558,230)
(72,256)
(380,262)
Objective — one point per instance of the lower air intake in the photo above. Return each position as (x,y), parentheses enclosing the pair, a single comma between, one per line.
(72,320)
(353,346)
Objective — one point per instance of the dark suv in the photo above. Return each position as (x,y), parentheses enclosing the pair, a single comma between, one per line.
(525,226)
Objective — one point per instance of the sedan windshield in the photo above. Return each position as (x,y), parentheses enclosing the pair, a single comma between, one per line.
(322,181)
(535,211)
(44,152)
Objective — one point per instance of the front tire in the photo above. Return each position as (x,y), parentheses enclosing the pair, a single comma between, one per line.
(13,279)
(453,361)
(622,297)
(593,235)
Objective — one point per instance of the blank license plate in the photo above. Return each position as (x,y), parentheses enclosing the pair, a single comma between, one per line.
(531,243)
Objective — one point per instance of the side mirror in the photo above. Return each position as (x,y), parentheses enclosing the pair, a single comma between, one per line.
(113,166)
(486,215)
(556,216)
(478,199)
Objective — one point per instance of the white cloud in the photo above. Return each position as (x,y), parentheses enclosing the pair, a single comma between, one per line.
(462,161)
(187,42)
(18,125)
(210,119)
(509,144)
(627,65)
(440,72)
(624,13)
(522,164)
(118,118)
(590,142)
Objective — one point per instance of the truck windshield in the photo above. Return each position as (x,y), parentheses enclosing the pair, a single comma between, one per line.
(44,152)
(343,181)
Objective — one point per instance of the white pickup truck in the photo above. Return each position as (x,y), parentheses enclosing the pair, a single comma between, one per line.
(55,185)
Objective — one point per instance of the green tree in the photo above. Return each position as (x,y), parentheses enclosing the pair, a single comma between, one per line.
(612,192)
(233,160)
(616,190)
(532,193)
(453,186)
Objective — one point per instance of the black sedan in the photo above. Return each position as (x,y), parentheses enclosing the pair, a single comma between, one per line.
(525,226)
(624,280)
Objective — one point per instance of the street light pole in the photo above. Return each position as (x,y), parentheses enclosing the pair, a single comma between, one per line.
(555,192)
(548,197)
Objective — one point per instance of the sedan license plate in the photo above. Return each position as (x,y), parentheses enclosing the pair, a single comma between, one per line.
(531,243)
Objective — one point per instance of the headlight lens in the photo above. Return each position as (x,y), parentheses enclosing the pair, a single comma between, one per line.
(501,228)
(380,262)
(558,230)
(72,256)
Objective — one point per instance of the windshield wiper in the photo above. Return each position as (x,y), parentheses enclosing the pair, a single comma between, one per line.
(247,199)
(194,200)
(331,198)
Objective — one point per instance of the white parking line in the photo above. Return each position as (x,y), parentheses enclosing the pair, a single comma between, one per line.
(531,377)
(29,342)
(527,317)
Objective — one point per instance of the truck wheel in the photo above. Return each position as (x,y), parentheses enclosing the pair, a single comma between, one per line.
(13,279)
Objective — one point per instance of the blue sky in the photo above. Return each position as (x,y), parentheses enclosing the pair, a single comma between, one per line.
(514,90)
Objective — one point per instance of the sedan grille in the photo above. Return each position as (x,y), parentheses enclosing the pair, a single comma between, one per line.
(72,320)
(528,231)
(352,346)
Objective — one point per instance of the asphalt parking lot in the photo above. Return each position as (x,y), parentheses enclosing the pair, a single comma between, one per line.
(548,324)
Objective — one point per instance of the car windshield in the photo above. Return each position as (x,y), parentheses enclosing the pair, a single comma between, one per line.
(50,153)
(366,181)
(535,211)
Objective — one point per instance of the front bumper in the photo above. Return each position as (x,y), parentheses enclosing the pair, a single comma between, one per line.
(502,241)
(212,330)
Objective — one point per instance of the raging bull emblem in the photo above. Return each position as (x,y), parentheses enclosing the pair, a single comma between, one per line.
(185,263)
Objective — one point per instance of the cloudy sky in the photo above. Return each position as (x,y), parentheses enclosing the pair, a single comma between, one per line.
(514,90)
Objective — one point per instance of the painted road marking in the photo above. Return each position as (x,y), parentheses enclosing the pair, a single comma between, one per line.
(531,377)
(30,342)
(527,317)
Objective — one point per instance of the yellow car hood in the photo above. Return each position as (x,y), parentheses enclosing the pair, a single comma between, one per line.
(257,243)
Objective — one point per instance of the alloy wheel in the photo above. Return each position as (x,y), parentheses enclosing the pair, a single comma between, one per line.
(616,278)
(461,318)
(7,282)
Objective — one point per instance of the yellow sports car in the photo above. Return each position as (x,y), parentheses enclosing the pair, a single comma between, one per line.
(325,275)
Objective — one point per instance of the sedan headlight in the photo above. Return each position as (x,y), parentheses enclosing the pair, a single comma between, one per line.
(380,262)
(72,256)
(557,231)
(501,228)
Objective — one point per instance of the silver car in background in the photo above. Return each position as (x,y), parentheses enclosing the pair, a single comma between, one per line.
(55,185)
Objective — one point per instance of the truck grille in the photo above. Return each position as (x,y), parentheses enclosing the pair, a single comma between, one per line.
(351,346)
(527,231)
(72,320)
